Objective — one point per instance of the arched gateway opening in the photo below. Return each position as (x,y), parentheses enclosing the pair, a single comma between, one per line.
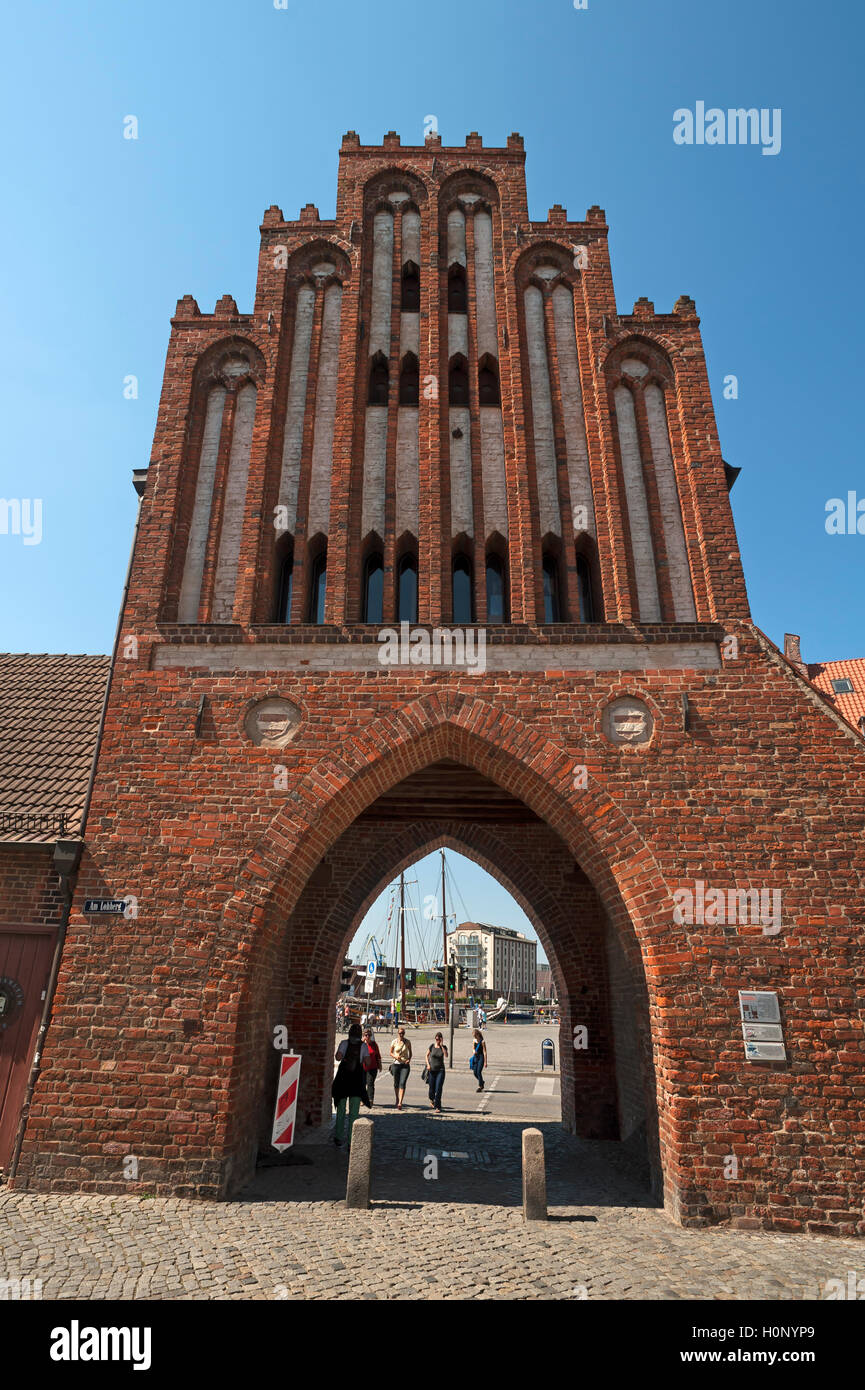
(459,790)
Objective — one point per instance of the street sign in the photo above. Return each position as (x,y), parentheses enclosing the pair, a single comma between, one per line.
(286,1101)
(368,984)
(370,967)
(114,907)
(759,1006)
(765,1051)
(762,1032)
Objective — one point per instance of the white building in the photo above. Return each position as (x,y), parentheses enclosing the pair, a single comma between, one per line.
(495,959)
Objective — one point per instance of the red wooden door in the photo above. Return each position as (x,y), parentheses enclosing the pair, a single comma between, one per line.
(25,964)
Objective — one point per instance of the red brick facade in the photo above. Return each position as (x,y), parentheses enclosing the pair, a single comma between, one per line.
(252,864)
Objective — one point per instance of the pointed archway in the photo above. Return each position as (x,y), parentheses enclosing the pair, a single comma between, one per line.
(311,873)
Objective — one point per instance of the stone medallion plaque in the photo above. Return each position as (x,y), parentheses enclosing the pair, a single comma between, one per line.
(628,721)
(272,723)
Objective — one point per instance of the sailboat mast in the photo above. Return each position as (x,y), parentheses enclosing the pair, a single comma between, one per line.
(402,943)
(444,936)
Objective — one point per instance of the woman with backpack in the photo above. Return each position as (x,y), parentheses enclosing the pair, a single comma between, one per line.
(349,1084)
(372,1065)
(479,1057)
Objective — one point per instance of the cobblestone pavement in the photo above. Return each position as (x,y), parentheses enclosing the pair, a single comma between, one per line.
(455,1236)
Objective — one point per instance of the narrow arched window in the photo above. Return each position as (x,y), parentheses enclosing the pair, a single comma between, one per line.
(410,296)
(373,589)
(285,587)
(317,588)
(462,590)
(584,590)
(378,381)
(496,603)
(407,590)
(488,383)
(552,601)
(409,381)
(458,299)
(458,382)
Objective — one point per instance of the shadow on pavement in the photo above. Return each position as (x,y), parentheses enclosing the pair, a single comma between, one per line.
(580,1172)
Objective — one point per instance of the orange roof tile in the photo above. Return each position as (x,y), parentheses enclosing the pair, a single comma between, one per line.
(850,706)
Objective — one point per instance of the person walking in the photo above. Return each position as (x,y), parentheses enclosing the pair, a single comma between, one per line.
(349,1084)
(400,1051)
(435,1063)
(372,1065)
(479,1057)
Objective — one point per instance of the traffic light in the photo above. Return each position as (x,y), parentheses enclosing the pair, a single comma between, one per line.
(449,979)
(347,975)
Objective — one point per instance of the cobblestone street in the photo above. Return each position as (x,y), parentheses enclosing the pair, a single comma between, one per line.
(455,1236)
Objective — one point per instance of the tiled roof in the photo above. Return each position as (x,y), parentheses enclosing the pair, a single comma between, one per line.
(49,718)
(852,706)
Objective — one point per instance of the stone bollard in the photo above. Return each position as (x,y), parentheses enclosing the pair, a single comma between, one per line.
(357,1188)
(534,1176)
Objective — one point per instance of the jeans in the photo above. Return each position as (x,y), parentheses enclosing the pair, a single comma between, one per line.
(436,1085)
(353,1108)
(370,1085)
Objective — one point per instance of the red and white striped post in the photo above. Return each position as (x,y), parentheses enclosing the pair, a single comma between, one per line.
(286,1101)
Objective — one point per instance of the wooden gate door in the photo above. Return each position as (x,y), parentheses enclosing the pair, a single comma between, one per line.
(25,964)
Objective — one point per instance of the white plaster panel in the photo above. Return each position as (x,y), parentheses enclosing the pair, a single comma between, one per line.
(325,414)
(459,417)
(225,581)
(382,272)
(634,367)
(196,548)
(668,495)
(406,470)
(458,335)
(292,444)
(456,237)
(542,411)
(411,236)
(485,291)
(493,471)
(309,657)
(409,335)
(579,476)
(374,469)
(648,600)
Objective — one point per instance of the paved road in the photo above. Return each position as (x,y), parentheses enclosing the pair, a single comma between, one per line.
(513,1094)
(449,1230)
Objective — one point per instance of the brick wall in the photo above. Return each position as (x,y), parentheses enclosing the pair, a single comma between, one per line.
(248,876)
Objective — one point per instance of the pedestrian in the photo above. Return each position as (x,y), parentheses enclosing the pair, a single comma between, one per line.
(349,1084)
(372,1064)
(479,1057)
(435,1063)
(400,1051)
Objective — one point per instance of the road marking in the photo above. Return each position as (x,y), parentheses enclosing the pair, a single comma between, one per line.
(488,1090)
(545,1086)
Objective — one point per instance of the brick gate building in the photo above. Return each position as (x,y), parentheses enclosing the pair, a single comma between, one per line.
(435,418)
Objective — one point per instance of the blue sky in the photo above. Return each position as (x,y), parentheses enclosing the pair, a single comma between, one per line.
(243,105)
(473,895)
